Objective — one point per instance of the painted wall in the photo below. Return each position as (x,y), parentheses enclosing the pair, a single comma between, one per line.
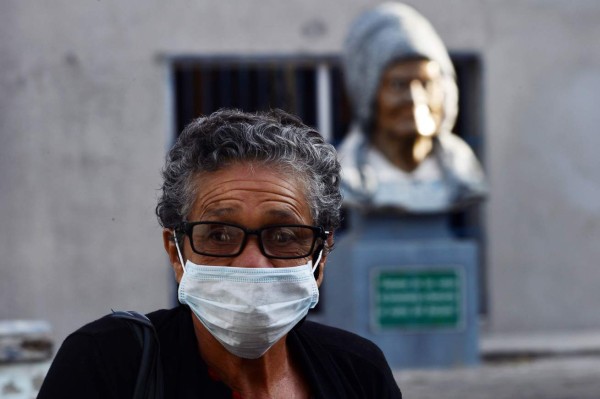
(85,120)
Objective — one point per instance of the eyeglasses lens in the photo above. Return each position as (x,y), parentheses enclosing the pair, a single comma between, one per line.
(217,239)
(287,241)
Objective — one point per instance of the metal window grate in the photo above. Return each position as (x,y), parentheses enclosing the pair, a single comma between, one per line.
(309,88)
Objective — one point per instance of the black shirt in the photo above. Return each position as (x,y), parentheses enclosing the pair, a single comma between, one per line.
(101,360)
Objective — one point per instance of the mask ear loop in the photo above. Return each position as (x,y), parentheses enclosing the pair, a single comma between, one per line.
(179,251)
(320,248)
(316,272)
(316,264)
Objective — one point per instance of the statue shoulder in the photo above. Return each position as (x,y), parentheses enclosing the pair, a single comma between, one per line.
(455,152)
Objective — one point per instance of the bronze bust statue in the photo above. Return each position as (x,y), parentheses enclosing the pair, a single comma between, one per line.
(400,152)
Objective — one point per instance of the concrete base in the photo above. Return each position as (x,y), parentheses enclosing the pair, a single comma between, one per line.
(351,298)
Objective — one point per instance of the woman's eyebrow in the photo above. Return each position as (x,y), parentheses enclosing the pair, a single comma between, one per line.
(283,214)
(219,212)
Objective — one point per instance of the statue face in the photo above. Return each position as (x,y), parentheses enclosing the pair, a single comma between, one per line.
(410,99)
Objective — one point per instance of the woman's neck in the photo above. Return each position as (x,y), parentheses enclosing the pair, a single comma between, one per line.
(272,375)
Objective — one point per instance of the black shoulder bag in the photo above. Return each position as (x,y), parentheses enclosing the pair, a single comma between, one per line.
(149,384)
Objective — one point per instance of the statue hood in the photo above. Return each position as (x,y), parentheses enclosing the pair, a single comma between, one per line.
(385,34)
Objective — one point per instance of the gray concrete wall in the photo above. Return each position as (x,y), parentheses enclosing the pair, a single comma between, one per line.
(85,119)
(542,88)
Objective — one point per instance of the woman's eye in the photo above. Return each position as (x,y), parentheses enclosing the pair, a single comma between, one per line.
(219,236)
(283,236)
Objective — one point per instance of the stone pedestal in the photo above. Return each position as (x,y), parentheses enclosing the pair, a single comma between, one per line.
(405,283)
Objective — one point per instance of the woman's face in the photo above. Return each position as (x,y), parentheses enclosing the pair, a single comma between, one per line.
(252,196)
(410,99)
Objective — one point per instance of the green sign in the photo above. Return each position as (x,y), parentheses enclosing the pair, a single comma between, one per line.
(417,298)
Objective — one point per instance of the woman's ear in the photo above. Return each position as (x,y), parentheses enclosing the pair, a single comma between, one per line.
(169,237)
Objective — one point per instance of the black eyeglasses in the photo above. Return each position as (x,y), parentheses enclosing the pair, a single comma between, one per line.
(283,241)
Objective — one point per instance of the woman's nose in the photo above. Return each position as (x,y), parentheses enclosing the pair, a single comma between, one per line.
(251,256)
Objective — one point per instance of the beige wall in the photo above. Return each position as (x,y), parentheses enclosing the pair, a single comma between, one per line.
(85,120)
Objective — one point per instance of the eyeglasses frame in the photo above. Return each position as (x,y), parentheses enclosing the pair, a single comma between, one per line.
(318,232)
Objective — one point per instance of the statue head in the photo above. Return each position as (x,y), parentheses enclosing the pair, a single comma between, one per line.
(398,73)
(409,100)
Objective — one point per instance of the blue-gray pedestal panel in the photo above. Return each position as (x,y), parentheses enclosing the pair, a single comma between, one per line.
(351,298)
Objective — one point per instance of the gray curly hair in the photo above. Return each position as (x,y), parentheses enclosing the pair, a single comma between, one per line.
(274,138)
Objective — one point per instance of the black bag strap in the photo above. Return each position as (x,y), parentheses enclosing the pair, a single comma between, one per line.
(149,384)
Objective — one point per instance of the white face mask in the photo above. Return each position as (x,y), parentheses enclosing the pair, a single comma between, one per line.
(248,309)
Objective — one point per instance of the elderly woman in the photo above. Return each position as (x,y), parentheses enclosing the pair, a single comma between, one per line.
(401,152)
(249,205)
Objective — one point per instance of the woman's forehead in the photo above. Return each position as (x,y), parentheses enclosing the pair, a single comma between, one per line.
(250,189)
